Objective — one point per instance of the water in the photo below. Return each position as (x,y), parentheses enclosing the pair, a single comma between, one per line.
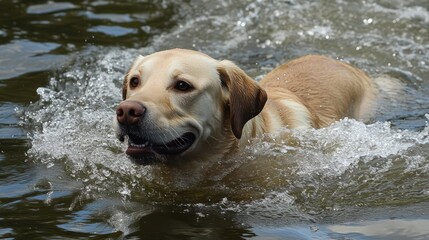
(64,175)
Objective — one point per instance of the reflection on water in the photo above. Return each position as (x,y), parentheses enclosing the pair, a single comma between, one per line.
(388,229)
(24,56)
(380,229)
(348,181)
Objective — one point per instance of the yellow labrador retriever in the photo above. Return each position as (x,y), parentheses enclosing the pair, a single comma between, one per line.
(182,104)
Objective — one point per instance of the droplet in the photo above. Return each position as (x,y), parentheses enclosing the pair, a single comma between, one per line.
(368,21)
(314,228)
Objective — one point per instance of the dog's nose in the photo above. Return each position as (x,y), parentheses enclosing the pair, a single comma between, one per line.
(129,112)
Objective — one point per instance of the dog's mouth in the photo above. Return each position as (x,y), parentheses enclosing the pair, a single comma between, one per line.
(138,147)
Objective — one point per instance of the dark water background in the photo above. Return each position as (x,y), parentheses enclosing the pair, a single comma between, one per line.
(63,175)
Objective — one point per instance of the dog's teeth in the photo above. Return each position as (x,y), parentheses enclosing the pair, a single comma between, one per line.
(140,145)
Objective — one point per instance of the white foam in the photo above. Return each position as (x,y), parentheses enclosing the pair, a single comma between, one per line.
(347,142)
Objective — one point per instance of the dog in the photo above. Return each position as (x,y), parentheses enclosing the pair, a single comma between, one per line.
(179,105)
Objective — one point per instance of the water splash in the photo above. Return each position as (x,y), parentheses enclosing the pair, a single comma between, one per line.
(337,148)
(72,123)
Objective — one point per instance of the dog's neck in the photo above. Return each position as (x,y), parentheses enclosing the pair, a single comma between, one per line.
(267,121)
(255,127)
(225,143)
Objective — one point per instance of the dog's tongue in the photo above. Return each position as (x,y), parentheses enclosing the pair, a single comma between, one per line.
(134,151)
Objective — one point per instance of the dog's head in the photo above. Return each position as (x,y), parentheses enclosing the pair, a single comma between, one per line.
(181,102)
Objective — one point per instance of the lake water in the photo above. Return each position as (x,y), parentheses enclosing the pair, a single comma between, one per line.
(63,174)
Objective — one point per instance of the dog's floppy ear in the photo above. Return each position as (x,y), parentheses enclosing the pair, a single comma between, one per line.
(125,87)
(246,98)
(136,62)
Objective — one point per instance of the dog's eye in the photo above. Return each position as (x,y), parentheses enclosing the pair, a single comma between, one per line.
(134,82)
(183,86)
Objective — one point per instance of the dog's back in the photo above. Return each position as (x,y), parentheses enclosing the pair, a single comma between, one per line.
(328,88)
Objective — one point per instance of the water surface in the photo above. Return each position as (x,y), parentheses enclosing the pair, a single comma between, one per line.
(64,175)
